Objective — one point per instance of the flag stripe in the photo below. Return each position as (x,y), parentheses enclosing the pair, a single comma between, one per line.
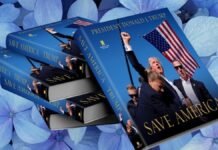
(179,43)
(174,52)
(177,50)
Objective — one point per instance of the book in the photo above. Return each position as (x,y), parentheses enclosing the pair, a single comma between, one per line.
(92,109)
(151,75)
(52,44)
(50,83)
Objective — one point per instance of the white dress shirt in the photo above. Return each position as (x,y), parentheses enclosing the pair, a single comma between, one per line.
(190,91)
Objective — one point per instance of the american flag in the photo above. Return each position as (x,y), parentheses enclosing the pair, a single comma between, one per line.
(82,22)
(167,42)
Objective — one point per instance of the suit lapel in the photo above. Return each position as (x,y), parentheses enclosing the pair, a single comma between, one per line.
(181,88)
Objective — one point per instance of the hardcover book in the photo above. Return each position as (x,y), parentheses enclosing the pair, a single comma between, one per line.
(50,83)
(151,75)
(91,109)
(53,44)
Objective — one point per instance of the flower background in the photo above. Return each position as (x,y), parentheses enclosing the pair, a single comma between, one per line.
(21,126)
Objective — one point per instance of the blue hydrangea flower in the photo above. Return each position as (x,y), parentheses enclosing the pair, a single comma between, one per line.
(214,10)
(8,13)
(203,34)
(204,3)
(19,115)
(132,7)
(113,137)
(176,142)
(48,11)
(61,140)
(83,8)
(7,147)
(207,139)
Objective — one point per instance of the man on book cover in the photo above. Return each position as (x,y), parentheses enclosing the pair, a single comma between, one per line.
(68,47)
(133,102)
(192,89)
(74,65)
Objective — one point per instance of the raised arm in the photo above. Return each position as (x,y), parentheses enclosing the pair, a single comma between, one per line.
(131,56)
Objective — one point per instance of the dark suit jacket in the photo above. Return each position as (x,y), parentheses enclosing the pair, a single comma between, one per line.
(198,87)
(171,97)
(74,49)
(152,106)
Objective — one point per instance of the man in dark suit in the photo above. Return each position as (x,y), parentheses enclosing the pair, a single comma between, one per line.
(171,92)
(190,88)
(153,105)
(133,102)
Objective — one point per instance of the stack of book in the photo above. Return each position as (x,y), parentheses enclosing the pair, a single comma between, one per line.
(169,93)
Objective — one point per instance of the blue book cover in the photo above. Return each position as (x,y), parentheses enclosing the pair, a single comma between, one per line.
(52,43)
(151,75)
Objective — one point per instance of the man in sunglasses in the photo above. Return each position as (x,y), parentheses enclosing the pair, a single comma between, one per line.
(190,88)
(133,102)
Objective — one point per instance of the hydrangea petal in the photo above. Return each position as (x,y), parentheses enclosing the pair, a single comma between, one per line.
(4,109)
(105,4)
(202,12)
(48,11)
(204,3)
(19,144)
(172,4)
(5,131)
(176,142)
(90,139)
(214,10)
(210,131)
(27,4)
(8,1)
(125,143)
(214,146)
(37,118)
(199,143)
(212,67)
(140,6)
(29,21)
(109,141)
(18,103)
(83,8)
(22,124)
(76,134)
(203,34)
(115,13)
(109,128)
(5,29)
(7,147)
(8,13)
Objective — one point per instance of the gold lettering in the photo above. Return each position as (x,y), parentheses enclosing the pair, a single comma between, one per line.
(149,130)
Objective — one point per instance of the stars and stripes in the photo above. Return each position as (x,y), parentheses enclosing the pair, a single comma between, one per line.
(82,22)
(167,42)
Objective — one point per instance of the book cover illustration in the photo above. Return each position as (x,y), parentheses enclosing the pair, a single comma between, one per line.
(53,43)
(151,75)
(50,83)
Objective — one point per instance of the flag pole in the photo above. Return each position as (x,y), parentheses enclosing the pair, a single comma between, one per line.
(126,60)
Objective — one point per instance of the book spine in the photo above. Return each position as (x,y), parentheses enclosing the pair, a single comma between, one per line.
(104,80)
(34,50)
(16,82)
(14,87)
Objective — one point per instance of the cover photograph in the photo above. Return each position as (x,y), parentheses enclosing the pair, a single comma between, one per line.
(151,75)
